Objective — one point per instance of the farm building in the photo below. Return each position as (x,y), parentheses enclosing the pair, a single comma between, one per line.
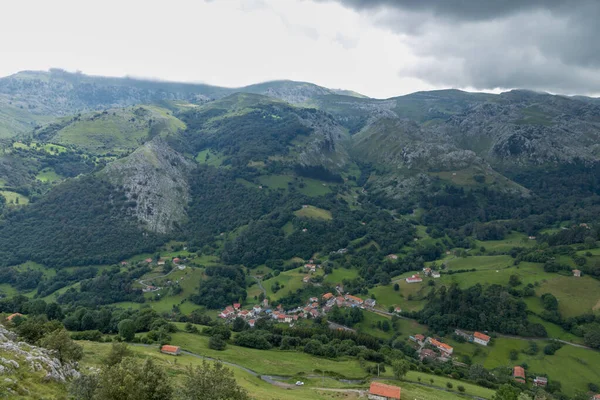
(480,338)
(354,299)
(327,296)
(381,391)
(392,257)
(11,316)
(414,279)
(172,350)
(576,273)
(370,303)
(540,381)
(519,374)
(306,279)
(435,274)
(443,347)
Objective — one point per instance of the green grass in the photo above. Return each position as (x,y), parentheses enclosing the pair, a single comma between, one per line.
(288,228)
(94,353)
(527,272)
(514,239)
(575,296)
(49,148)
(271,362)
(118,130)
(291,280)
(574,367)
(555,331)
(314,212)
(13,197)
(48,175)
(314,188)
(442,381)
(339,274)
(275,181)
(479,262)
(209,157)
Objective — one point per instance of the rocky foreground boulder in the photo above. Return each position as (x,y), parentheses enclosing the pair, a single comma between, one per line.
(24,368)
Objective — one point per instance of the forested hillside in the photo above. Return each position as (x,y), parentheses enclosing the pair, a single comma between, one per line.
(139,206)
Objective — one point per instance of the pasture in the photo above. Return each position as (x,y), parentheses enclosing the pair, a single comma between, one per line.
(314,213)
(14,198)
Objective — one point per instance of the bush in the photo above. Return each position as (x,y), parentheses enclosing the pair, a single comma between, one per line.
(216,342)
(461,388)
(449,385)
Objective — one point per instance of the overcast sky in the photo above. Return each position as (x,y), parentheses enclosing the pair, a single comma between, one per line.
(381,48)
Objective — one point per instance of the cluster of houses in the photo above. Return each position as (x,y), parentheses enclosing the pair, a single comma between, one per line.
(314,308)
(445,349)
(475,337)
(416,278)
(519,376)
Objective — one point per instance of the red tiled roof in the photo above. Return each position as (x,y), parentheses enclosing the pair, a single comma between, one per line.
(481,336)
(519,372)
(327,296)
(169,348)
(419,337)
(10,317)
(438,344)
(381,389)
(354,298)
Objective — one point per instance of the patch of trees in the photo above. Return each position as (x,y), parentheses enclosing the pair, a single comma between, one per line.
(478,308)
(79,222)
(346,316)
(224,286)
(111,286)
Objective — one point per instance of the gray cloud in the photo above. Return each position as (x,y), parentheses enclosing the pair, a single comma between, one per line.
(538,44)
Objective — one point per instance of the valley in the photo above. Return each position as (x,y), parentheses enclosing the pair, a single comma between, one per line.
(294,231)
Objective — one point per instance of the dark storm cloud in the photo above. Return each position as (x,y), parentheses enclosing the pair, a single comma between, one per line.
(546,45)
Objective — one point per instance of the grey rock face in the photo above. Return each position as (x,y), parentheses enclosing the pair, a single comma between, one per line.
(155,177)
(36,359)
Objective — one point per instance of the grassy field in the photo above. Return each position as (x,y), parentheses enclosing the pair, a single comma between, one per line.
(527,272)
(175,366)
(514,239)
(49,148)
(271,362)
(13,198)
(339,274)
(275,181)
(572,366)
(313,212)
(117,130)
(479,262)
(209,157)
(313,187)
(291,280)
(48,175)
(575,296)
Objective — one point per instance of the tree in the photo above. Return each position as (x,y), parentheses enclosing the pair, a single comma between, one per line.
(550,302)
(396,287)
(514,280)
(592,336)
(400,368)
(216,342)
(238,325)
(134,380)
(127,329)
(61,342)
(117,353)
(211,382)
(507,392)
(84,387)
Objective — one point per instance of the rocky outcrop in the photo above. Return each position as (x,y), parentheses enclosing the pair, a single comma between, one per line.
(19,358)
(155,177)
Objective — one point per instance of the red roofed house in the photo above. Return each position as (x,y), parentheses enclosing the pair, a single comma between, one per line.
(443,347)
(172,350)
(314,313)
(251,323)
(236,306)
(11,316)
(381,391)
(327,296)
(353,299)
(414,279)
(176,260)
(339,301)
(519,374)
(596,397)
(577,273)
(480,338)
(148,260)
(540,381)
